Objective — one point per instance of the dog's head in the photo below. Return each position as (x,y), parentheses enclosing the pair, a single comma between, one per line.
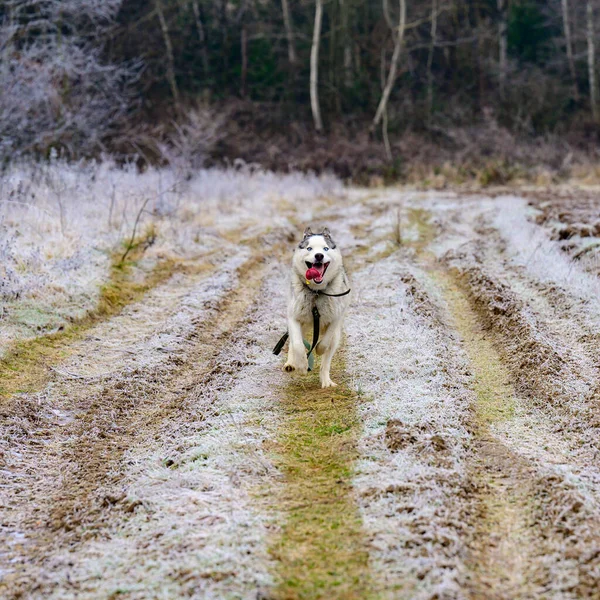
(317,251)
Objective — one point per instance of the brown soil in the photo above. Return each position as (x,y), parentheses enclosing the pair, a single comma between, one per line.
(522,529)
(83,457)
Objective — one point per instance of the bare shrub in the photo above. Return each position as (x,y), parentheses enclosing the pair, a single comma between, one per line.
(193,138)
(56,91)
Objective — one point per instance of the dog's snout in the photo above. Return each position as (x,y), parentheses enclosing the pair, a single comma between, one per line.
(319,257)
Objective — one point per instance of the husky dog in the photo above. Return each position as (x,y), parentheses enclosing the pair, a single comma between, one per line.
(327,290)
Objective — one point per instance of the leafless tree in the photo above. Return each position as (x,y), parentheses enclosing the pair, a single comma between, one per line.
(314,66)
(289,30)
(591,55)
(502,43)
(244,53)
(169,49)
(433,33)
(398,42)
(569,46)
(348,75)
(201,35)
(55,89)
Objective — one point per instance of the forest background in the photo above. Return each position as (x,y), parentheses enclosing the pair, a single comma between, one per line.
(373,90)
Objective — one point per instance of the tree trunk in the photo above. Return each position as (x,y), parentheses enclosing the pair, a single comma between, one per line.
(386,14)
(384,119)
(569,45)
(314,67)
(202,36)
(169,49)
(224,43)
(244,52)
(592,63)
(430,60)
(502,44)
(289,31)
(480,57)
(348,75)
(399,40)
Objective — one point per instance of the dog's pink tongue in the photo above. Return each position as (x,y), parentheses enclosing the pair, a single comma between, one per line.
(313,273)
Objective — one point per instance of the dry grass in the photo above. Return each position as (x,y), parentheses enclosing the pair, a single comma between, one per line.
(25,367)
(320,550)
(170,456)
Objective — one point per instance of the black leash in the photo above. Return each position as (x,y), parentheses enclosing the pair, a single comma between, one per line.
(316,319)
(281,343)
(316,322)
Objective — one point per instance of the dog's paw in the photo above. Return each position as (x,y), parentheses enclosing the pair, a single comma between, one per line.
(289,368)
(327,383)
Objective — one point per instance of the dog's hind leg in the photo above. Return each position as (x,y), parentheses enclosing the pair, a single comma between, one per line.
(296,360)
(329,346)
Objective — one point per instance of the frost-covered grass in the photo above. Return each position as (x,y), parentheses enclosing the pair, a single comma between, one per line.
(62,227)
(197,530)
(414,416)
(219,469)
(413,407)
(194,529)
(529,246)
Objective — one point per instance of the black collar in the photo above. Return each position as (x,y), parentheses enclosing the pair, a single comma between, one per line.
(320,293)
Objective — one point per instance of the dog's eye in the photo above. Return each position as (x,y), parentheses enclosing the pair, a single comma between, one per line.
(309,249)
(325,249)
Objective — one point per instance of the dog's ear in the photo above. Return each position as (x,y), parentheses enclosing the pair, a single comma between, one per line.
(307,233)
(327,235)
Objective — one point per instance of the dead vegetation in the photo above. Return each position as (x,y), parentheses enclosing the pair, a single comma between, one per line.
(160,451)
(573,220)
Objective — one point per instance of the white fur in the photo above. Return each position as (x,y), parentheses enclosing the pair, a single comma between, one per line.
(302,299)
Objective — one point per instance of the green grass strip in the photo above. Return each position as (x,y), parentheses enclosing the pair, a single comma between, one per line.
(320,550)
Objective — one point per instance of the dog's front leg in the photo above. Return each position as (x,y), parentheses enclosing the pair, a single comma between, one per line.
(296,360)
(329,345)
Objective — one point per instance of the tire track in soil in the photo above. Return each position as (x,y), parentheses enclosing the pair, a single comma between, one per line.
(90,487)
(502,554)
(90,456)
(26,366)
(501,560)
(320,550)
(547,341)
(526,508)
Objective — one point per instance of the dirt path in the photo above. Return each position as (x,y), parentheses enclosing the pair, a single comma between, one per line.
(505,544)
(167,455)
(519,544)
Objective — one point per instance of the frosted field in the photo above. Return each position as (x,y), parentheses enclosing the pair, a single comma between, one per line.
(158,450)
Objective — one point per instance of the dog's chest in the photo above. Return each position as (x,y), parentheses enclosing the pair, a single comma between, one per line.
(329,310)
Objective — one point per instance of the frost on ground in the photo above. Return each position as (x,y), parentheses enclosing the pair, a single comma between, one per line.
(62,226)
(151,465)
(529,246)
(411,474)
(196,530)
(151,432)
(540,308)
(571,218)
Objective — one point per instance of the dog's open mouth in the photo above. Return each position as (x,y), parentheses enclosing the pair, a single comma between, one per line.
(320,267)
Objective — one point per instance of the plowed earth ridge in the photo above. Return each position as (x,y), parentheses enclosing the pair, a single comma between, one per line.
(169,456)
